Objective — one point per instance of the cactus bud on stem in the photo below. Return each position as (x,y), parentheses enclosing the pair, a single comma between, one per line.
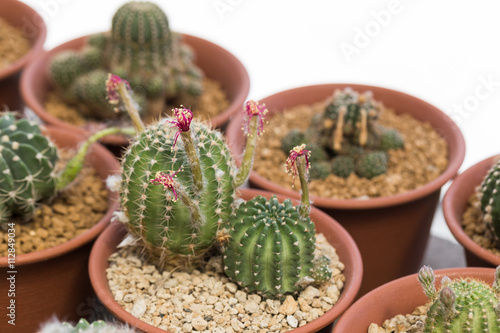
(298,163)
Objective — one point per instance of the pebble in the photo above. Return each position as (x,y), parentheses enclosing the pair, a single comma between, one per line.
(199,323)
(139,308)
(292,321)
(289,306)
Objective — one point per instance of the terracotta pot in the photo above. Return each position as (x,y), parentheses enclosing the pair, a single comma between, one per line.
(33,28)
(217,63)
(55,281)
(336,235)
(391,232)
(455,203)
(401,296)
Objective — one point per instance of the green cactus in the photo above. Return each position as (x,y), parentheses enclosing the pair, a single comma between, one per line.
(28,161)
(489,198)
(390,139)
(142,49)
(294,138)
(271,244)
(83,326)
(342,166)
(462,305)
(180,231)
(320,170)
(371,164)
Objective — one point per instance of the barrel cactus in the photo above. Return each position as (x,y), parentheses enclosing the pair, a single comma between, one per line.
(180,221)
(462,305)
(83,326)
(271,244)
(141,48)
(28,163)
(489,199)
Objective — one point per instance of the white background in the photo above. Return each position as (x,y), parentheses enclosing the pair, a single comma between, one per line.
(440,51)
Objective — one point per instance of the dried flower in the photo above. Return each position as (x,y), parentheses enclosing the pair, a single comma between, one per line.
(167,180)
(291,161)
(183,120)
(112,85)
(251,109)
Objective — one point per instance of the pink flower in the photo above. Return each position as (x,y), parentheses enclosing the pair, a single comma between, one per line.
(183,120)
(167,180)
(252,109)
(291,161)
(112,85)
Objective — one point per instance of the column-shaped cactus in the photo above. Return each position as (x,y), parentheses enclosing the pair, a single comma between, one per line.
(271,244)
(489,199)
(462,305)
(179,221)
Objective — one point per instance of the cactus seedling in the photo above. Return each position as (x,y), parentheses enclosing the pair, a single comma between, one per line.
(179,181)
(462,305)
(489,199)
(28,161)
(271,244)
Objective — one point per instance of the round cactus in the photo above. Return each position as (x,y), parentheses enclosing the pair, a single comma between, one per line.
(342,166)
(390,139)
(320,170)
(371,164)
(462,305)
(489,198)
(294,138)
(83,326)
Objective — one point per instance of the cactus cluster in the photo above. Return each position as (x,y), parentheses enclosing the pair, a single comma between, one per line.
(140,48)
(83,326)
(462,305)
(489,199)
(347,137)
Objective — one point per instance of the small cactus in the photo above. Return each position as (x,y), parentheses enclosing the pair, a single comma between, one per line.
(342,166)
(462,305)
(489,199)
(271,244)
(142,49)
(371,164)
(320,170)
(390,139)
(292,139)
(83,326)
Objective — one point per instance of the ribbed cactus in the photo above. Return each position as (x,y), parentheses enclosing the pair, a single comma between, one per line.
(489,198)
(271,245)
(179,221)
(27,163)
(140,48)
(83,326)
(462,305)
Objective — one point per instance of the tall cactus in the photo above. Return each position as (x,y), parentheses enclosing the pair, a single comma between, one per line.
(489,199)
(271,244)
(27,163)
(180,221)
(142,49)
(462,305)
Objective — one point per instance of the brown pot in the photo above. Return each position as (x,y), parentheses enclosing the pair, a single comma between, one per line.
(391,232)
(401,296)
(31,24)
(336,235)
(55,281)
(216,62)
(455,203)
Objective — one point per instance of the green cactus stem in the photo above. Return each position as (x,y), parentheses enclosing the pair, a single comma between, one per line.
(83,326)
(489,199)
(462,305)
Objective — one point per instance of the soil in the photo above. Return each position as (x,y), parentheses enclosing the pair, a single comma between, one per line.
(474,227)
(423,158)
(13,44)
(402,324)
(206,301)
(212,102)
(72,212)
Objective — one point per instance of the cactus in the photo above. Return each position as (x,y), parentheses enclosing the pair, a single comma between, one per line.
(342,166)
(489,199)
(177,223)
(462,305)
(371,164)
(142,49)
(292,139)
(390,139)
(28,160)
(83,326)
(320,170)
(271,244)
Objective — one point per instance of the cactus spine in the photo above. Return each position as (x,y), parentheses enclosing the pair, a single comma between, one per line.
(463,305)
(271,244)
(489,199)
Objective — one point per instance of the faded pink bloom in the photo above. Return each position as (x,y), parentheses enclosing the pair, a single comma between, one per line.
(251,109)
(112,84)
(183,120)
(291,161)
(167,180)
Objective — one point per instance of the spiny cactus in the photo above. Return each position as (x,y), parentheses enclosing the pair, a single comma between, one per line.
(27,161)
(462,305)
(83,326)
(271,245)
(140,48)
(179,221)
(342,166)
(489,199)
(371,164)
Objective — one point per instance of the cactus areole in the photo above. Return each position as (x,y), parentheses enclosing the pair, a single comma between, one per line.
(489,199)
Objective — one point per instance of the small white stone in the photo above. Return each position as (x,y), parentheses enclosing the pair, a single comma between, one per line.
(199,323)
(231,287)
(237,325)
(187,328)
(292,321)
(241,296)
(139,308)
(252,307)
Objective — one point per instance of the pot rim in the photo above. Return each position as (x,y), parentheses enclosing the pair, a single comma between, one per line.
(100,283)
(38,66)
(36,46)
(453,217)
(451,170)
(87,236)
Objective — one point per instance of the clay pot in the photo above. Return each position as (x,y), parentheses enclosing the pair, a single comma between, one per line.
(391,232)
(55,281)
(336,235)
(32,26)
(401,296)
(217,64)
(455,203)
